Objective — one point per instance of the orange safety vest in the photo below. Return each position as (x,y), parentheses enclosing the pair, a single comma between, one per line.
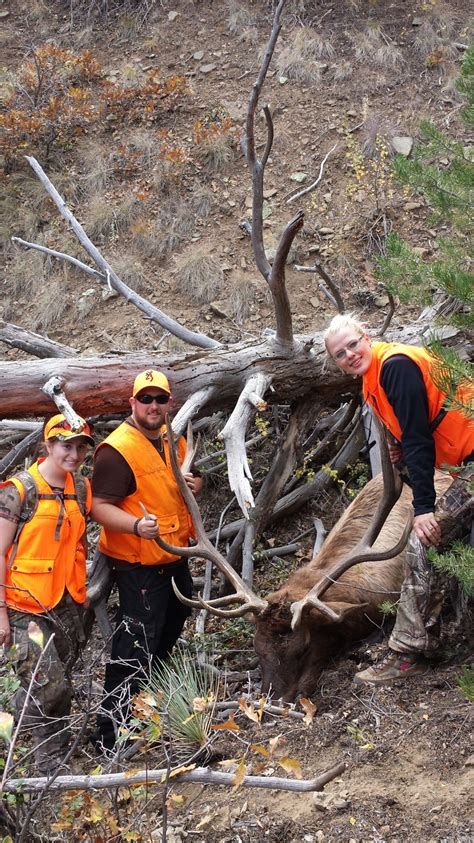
(50,557)
(453,432)
(157,489)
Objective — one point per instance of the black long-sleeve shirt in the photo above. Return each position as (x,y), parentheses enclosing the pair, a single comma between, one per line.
(404,386)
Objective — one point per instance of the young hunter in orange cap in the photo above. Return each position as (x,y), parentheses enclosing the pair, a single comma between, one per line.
(43,515)
(132,467)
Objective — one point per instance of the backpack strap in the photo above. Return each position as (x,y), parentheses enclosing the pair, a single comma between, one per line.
(80,483)
(29,506)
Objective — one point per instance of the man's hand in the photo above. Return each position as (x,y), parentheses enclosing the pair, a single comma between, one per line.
(147,528)
(427,528)
(193,483)
(5,633)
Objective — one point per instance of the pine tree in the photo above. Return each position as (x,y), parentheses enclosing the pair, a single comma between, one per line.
(442,171)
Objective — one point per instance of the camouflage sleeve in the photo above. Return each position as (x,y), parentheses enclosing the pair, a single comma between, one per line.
(10,503)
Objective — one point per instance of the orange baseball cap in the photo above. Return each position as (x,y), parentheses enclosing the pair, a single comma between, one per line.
(59,428)
(150,378)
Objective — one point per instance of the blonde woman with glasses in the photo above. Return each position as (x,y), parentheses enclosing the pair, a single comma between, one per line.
(398,384)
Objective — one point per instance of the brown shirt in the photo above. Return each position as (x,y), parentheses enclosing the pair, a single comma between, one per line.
(113,479)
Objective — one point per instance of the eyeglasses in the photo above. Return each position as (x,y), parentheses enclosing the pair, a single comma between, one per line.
(148,399)
(351,346)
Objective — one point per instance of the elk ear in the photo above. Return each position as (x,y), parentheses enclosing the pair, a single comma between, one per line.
(342,609)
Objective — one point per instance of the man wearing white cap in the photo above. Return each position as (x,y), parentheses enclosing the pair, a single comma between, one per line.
(133,468)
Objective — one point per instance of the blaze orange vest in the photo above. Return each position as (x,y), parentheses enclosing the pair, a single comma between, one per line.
(50,556)
(157,489)
(453,436)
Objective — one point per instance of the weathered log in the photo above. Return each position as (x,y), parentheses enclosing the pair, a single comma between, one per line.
(201,775)
(102,385)
(17,337)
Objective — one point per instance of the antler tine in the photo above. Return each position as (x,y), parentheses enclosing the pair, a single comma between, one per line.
(363,551)
(392,489)
(210,606)
(363,555)
(191,450)
(204,547)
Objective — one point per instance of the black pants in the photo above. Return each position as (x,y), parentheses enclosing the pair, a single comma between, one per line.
(150,619)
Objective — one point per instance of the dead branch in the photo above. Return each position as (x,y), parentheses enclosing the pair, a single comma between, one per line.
(19,452)
(321,533)
(333,293)
(36,344)
(295,499)
(314,185)
(191,337)
(191,408)
(202,775)
(281,711)
(282,467)
(54,389)
(389,316)
(273,274)
(52,253)
(233,435)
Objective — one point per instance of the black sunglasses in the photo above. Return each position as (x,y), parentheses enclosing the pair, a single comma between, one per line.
(148,399)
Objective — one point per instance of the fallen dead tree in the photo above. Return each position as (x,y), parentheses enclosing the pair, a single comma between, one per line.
(202,775)
(243,378)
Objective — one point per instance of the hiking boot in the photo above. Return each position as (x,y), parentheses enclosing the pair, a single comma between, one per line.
(393,668)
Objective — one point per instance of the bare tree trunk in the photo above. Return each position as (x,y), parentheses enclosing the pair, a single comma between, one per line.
(36,344)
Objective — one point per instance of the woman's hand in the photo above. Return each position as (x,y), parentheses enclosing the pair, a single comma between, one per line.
(193,483)
(395,452)
(5,634)
(427,528)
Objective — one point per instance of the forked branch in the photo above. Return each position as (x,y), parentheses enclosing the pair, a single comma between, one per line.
(233,435)
(274,274)
(192,337)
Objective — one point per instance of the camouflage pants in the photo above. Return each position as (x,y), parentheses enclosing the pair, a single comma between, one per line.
(46,716)
(421,599)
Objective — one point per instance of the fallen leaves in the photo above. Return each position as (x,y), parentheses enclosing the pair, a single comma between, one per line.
(229,725)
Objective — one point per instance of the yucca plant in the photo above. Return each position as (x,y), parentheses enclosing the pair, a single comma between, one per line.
(466,682)
(187,693)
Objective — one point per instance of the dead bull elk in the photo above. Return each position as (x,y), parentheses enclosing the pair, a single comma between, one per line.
(296,631)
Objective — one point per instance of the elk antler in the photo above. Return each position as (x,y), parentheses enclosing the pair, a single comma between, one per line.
(243,594)
(363,551)
(191,449)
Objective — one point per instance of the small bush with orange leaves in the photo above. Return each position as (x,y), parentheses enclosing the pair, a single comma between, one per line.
(57,95)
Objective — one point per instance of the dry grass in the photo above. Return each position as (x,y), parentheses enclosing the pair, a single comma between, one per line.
(343,70)
(375,47)
(199,276)
(173,227)
(239,17)
(50,306)
(167,179)
(98,172)
(102,218)
(202,201)
(301,58)
(130,270)
(215,152)
(240,297)
(24,274)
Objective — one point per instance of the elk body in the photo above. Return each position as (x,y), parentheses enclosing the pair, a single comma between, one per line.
(292,659)
(360,565)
